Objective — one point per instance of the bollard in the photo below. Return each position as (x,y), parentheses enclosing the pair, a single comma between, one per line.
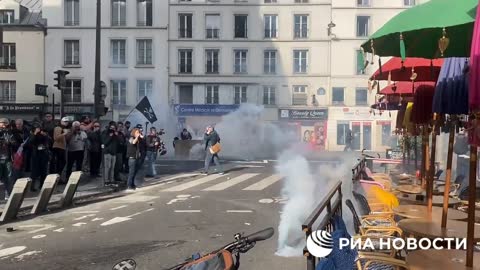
(16,199)
(46,193)
(70,189)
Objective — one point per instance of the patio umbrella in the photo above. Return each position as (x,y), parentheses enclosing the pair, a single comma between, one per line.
(404,88)
(437,28)
(451,93)
(397,70)
(474,96)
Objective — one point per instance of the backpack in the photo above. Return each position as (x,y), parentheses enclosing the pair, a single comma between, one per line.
(222,260)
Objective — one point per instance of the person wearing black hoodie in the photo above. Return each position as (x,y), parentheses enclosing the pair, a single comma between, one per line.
(39,141)
(95,150)
(109,146)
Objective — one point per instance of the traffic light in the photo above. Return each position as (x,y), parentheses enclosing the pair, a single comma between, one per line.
(61,78)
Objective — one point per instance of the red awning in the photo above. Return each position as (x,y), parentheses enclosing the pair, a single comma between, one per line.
(426,69)
(403,88)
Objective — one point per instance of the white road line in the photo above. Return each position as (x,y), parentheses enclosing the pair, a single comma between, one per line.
(141,212)
(39,236)
(239,211)
(232,182)
(122,219)
(118,207)
(84,217)
(193,183)
(43,227)
(95,219)
(181,176)
(79,224)
(86,212)
(188,211)
(264,183)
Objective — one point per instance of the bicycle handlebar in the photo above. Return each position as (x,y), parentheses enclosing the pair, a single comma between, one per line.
(260,235)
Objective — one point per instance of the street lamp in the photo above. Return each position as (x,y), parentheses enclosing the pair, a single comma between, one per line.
(99,104)
(329,29)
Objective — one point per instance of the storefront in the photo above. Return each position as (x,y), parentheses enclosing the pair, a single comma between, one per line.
(26,111)
(195,117)
(370,131)
(309,125)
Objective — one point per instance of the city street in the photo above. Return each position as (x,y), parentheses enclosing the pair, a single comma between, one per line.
(157,225)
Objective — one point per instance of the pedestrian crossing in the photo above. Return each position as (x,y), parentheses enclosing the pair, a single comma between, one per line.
(217,182)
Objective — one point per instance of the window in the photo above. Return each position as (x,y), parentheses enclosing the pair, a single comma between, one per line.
(360,67)
(361,96)
(7,91)
(72,91)
(144,13)
(300,61)
(342,131)
(241,26)
(386,133)
(185,61)
(144,52)
(301,26)
(144,88)
(211,94)
(271,26)
(362,26)
(72,12)
(211,63)
(240,61)
(119,13)
(363,3)
(301,1)
(185,22)
(270,62)
(212,25)
(185,94)
(240,94)
(409,2)
(268,95)
(299,95)
(338,95)
(119,92)
(7,56)
(7,16)
(118,51)
(72,52)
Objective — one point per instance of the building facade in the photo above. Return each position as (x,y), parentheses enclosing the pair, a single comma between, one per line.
(133,52)
(21,60)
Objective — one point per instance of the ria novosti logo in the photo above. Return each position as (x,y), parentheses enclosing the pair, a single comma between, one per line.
(320,243)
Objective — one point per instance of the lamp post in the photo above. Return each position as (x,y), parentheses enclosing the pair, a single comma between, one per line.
(98,102)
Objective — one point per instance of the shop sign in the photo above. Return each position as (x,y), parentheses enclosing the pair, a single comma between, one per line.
(297,114)
(74,108)
(203,109)
(355,113)
(17,108)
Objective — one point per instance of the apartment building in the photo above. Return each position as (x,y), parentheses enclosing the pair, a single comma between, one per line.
(21,59)
(133,52)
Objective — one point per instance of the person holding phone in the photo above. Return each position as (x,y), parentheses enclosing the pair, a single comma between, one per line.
(134,157)
(40,154)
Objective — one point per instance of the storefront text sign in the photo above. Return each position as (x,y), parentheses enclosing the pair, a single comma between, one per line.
(356,113)
(294,114)
(203,110)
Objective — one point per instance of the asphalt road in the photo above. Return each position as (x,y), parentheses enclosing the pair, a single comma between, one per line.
(158,225)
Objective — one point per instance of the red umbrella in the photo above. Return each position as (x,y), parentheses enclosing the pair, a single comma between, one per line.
(403,88)
(426,69)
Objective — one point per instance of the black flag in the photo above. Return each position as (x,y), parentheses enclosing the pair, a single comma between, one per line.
(146,109)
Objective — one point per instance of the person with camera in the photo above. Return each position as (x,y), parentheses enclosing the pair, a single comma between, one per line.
(39,140)
(153,145)
(6,144)
(109,146)
(76,139)
(95,150)
(60,145)
(211,139)
(134,156)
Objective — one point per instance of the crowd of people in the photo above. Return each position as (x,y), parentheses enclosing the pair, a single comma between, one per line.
(45,147)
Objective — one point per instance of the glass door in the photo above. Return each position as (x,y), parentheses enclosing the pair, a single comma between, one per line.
(367,135)
(356,135)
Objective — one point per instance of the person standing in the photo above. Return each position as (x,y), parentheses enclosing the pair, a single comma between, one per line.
(153,144)
(39,141)
(6,144)
(348,141)
(134,157)
(59,146)
(211,138)
(109,146)
(185,135)
(76,139)
(127,132)
(121,150)
(95,150)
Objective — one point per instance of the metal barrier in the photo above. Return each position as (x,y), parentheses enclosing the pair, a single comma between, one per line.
(334,207)
(357,169)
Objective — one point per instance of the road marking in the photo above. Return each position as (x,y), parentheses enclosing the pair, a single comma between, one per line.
(79,224)
(84,217)
(264,183)
(176,200)
(239,211)
(43,227)
(248,224)
(86,212)
(181,176)
(183,196)
(96,219)
(188,211)
(137,198)
(30,253)
(118,207)
(250,166)
(265,201)
(232,182)
(193,183)
(116,220)
(11,251)
(59,230)
(39,236)
(141,212)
